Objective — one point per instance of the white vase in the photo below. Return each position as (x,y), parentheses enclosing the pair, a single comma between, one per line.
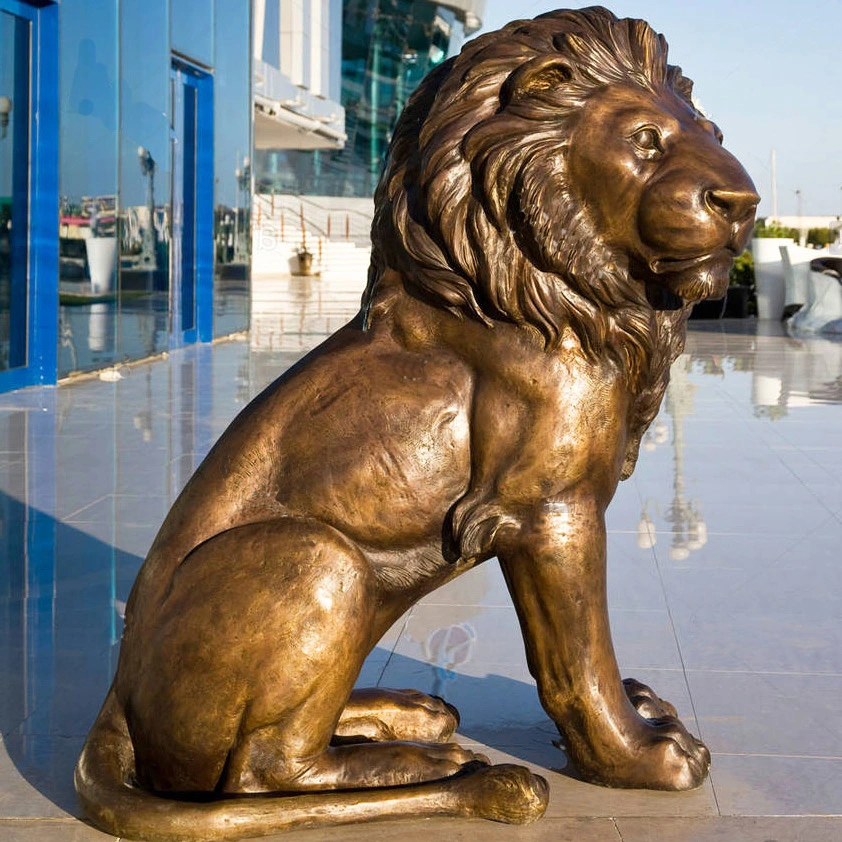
(769,275)
(101,327)
(102,262)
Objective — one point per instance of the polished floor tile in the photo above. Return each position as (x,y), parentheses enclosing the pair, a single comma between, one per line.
(730,829)
(68,830)
(724,582)
(769,713)
(750,785)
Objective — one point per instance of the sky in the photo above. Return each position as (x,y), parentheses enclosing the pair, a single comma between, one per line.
(769,73)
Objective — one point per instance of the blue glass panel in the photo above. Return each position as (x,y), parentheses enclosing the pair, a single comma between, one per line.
(192,205)
(14,188)
(188,254)
(271,27)
(388,46)
(232,163)
(145,152)
(88,221)
(192,29)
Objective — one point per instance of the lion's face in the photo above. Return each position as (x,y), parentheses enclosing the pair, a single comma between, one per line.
(652,175)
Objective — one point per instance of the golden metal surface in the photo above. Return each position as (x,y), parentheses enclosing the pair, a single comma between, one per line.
(552,205)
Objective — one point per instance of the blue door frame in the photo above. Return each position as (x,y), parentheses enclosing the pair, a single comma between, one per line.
(34,298)
(191,287)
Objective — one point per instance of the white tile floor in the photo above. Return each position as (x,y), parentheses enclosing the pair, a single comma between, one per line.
(734,612)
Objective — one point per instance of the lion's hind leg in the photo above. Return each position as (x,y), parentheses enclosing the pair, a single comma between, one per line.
(252,661)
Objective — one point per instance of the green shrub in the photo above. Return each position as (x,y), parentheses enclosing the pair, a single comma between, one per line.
(821,237)
(761,229)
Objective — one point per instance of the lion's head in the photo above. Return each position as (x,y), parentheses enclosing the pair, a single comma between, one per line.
(557,174)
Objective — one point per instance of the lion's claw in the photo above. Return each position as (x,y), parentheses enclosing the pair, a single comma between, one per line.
(646,702)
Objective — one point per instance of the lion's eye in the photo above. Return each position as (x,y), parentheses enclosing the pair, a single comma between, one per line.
(647,142)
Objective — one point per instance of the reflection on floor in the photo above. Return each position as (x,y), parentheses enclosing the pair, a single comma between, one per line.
(725,582)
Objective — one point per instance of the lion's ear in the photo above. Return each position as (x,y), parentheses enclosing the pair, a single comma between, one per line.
(540,74)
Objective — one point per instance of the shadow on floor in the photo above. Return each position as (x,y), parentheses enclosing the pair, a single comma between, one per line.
(62,595)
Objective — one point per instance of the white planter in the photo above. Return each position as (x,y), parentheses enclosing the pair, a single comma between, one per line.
(102,263)
(769,275)
(100,327)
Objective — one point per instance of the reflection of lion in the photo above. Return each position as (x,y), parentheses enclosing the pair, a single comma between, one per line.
(552,205)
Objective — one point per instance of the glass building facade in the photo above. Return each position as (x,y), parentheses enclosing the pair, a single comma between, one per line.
(125,180)
(388,46)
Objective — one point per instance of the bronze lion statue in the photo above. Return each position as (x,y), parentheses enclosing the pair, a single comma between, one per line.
(551,207)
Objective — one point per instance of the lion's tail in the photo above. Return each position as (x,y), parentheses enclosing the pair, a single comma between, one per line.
(110,802)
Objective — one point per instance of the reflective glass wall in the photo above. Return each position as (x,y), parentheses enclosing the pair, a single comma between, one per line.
(117,146)
(232,168)
(15,47)
(388,46)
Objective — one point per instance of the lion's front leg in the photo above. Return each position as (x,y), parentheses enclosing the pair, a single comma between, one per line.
(556,573)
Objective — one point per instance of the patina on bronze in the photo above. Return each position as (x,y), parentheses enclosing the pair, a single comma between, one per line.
(552,205)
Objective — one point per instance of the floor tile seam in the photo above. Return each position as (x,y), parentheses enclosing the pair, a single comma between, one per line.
(788,547)
(745,586)
(711,532)
(683,666)
(392,651)
(427,604)
(782,673)
(729,817)
(772,756)
(82,508)
(817,497)
(794,816)
(56,820)
(24,735)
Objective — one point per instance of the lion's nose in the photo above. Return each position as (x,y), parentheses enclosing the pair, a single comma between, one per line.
(733,205)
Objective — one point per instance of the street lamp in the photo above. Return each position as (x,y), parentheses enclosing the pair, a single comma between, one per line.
(147,168)
(689,530)
(243,176)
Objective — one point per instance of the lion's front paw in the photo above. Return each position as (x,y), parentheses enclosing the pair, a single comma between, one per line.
(674,758)
(642,745)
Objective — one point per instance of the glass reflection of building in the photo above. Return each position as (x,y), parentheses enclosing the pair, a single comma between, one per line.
(388,46)
(155,123)
(133,118)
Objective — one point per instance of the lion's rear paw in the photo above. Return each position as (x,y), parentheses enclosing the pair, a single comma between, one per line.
(505,793)
(422,718)
(385,715)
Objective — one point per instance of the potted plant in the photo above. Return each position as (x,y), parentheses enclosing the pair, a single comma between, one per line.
(768,267)
(305,256)
(740,300)
(101,251)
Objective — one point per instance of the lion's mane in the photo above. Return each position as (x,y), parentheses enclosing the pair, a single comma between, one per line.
(473,226)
